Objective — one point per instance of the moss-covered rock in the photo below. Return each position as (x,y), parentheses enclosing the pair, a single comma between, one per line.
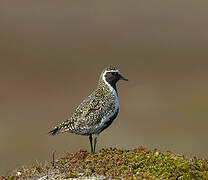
(137,163)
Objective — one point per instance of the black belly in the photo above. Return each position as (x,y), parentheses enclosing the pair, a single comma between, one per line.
(108,123)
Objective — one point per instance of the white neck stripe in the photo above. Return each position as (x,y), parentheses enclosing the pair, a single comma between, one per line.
(105,119)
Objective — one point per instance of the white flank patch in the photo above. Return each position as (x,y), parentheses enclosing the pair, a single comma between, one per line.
(107,118)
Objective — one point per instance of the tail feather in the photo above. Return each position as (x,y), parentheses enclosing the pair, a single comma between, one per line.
(54,131)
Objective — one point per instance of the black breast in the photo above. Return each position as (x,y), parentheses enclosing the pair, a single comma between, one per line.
(108,123)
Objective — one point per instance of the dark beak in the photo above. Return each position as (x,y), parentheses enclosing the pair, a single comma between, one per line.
(123,78)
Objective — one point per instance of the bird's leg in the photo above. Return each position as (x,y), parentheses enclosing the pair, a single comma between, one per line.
(90,138)
(95,141)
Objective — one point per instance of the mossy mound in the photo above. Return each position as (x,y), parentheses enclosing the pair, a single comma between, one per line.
(137,163)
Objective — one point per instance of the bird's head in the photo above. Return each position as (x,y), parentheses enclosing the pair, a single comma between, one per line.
(112,75)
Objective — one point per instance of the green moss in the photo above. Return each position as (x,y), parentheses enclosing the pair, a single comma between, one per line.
(138,163)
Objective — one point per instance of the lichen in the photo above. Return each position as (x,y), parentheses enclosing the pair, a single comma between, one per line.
(138,163)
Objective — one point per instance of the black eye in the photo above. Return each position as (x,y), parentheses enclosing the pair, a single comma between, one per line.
(114,73)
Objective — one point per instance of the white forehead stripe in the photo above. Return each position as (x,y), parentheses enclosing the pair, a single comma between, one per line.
(111,71)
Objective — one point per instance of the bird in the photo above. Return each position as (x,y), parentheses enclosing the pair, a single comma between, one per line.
(97,111)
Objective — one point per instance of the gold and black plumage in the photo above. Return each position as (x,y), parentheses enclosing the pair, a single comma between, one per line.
(97,111)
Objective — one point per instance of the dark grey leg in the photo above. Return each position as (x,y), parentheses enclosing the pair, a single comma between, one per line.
(90,138)
(95,142)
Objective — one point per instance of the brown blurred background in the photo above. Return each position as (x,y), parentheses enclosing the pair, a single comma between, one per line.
(51,55)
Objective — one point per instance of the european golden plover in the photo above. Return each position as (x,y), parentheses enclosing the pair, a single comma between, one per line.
(97,111)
